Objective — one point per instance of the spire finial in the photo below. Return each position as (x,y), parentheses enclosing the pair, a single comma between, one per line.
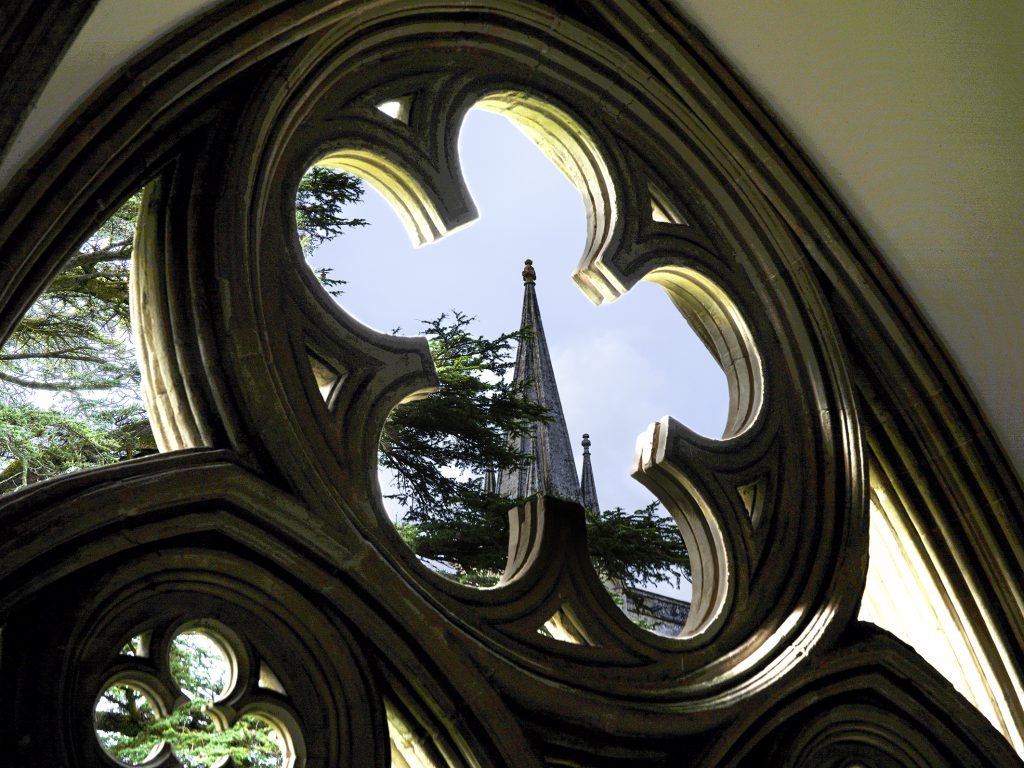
(529,274)
(588,489)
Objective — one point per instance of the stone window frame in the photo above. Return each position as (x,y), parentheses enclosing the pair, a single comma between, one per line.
(851,376)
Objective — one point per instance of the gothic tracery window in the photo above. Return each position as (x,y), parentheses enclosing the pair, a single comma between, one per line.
(261,515)
(179,702)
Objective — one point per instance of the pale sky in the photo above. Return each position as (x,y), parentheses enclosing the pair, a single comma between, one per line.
(619,366)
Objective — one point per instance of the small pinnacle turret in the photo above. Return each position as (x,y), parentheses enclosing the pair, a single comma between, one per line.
(552,470)
(588,489)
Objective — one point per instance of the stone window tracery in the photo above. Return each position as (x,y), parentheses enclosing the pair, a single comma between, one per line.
(193,694)
(262,514)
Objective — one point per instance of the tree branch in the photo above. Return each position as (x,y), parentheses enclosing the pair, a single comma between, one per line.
(118,251)
(70,354)
(62,387)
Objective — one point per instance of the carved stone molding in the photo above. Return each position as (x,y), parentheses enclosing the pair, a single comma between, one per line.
(264,513)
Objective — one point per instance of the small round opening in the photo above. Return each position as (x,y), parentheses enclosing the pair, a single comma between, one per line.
(257,743)
(126,724)
(200,665)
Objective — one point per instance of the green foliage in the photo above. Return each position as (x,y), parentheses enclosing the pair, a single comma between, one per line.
(199,665)
(37,443)
(438,448)
(639,547)
(68,379)
(69,384)
(74,339)
(322,194)
(124,719)
(69,399)
(130,730)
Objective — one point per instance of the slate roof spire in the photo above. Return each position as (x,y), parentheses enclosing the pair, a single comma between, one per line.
(588,489)
(552,470)
(490,481)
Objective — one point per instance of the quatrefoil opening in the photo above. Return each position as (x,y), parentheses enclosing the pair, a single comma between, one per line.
(419,196)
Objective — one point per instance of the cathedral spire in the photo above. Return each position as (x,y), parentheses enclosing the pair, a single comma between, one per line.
(588,490)
(552,469)
(490,481)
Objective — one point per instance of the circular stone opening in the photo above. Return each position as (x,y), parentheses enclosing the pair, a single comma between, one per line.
(264,743)
(200,665)
(125,723)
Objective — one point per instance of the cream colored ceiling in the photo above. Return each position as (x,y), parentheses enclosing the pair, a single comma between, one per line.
(913,110)
(114,31)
